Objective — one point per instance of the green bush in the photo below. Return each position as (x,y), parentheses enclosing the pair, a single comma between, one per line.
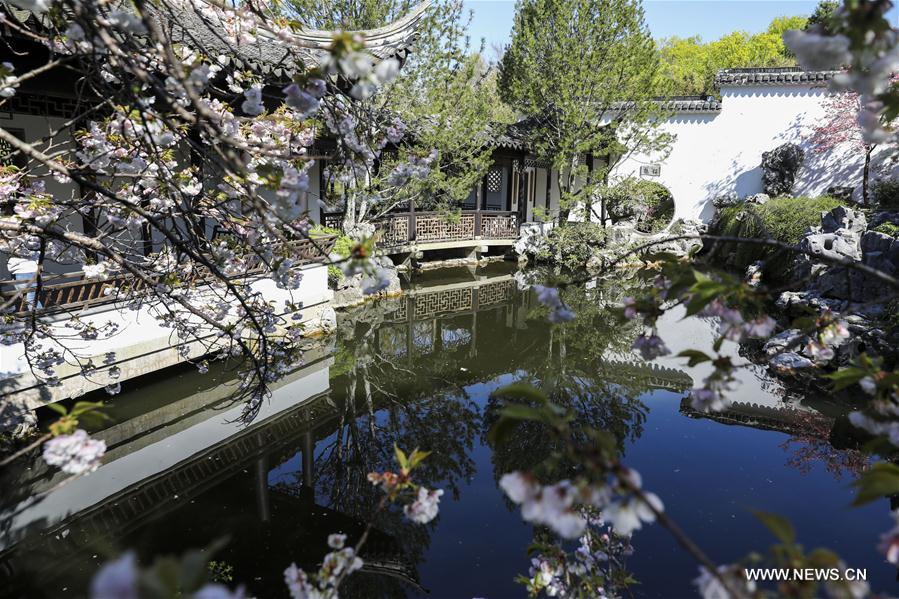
(342,247)
(572,245)
(888,229)
(885,194)
(647,202)
(783,219)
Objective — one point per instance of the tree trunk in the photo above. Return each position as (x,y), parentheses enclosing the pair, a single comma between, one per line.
(866,171)
(563,210)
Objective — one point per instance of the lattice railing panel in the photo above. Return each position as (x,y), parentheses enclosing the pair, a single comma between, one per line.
(394,230)
(495,293)
(438,228)
(450,300)
(499,226)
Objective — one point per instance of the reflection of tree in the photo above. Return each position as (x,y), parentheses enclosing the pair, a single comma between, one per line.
(810,443)
(570,364)
(380,401)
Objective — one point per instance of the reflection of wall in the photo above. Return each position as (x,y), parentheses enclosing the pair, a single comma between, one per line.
(167,444)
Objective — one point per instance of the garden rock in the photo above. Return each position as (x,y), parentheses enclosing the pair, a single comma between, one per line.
(881,252)
(789,361)
(758,198)
(595,263)
(843,218)
(531,238)
(682,247)
(884,216)
(726,199)
(779,167)
(16,420)
(349,290)
(754,273)
(838,239)
(795,303)
(784,340)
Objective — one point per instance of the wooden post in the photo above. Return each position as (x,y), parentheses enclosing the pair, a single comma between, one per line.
(477,208)
(411,220)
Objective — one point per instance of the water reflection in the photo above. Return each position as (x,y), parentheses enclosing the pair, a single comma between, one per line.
(416,371)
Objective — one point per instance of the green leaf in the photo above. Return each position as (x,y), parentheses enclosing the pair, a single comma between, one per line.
(846,376)
(58,408)
(823,558)
(401,458)
(517,411)
(704,292)
(695,357)
(82,407)
(522,392)
(778,525)
(882,480)
(417,458)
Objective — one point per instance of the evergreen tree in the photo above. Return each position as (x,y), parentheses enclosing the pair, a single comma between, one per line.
(586,73)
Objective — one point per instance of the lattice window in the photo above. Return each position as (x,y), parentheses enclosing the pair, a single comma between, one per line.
(494,180)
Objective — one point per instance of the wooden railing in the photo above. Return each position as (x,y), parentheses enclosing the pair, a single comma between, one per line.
(403,228)
(72,291)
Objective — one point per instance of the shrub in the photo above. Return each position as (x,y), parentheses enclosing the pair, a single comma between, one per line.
(888,229)
(342,247)
(783,219)
(572,245)
(885,194)
(648,202)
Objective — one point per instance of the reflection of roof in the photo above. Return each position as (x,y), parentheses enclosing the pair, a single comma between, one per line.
(772,76)
(653,375)
(782,419)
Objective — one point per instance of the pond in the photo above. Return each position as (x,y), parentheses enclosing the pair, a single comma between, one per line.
(418,371)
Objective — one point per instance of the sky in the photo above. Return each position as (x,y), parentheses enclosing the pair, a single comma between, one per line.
(709,19)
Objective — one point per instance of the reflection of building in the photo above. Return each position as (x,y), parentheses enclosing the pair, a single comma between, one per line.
(161,461)
(783,418)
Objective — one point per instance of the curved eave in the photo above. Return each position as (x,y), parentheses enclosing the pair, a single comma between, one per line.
(388,37)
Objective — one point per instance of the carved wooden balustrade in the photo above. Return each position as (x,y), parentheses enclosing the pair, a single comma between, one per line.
(72,291)
(421,228)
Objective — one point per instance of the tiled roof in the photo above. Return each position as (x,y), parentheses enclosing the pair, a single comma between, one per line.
(679,104)
(772,76)
(267,53)
(691,104)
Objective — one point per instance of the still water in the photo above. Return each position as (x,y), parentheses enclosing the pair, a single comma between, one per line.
(418,371)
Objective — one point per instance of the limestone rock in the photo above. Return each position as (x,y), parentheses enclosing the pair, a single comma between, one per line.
(780,167)
(789,361)
(758,198)
(16,420)
(726,199)
(349,290)
(780,342)
(531,238)
(681,247)
(754,272)
(837,240)
(843,218)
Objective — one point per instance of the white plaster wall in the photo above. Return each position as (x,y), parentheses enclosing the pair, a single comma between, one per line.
(142,344)
(718,153)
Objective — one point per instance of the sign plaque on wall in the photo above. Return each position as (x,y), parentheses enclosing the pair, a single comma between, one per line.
(650,170)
